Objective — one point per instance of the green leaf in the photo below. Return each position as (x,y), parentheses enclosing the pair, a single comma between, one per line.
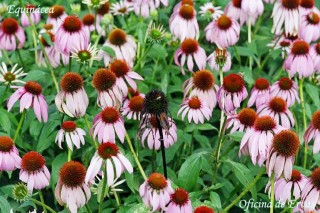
(4,205)
(215,199)
(157,51)
(57,163)
(47,135)
(313,92)
(109,50)
(206,126)
(5,121)
(47,38)
(35,75)
(139,208)
(236,136)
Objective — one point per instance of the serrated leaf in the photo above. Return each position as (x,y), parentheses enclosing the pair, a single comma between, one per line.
(109,50)
(4,205)
(5,122)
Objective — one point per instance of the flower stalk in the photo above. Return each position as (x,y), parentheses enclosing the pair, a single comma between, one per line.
(163,151)
(19,125)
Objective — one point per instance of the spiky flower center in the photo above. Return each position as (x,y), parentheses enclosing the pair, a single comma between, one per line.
(284,43)
(296,176)
(132,92)
(307,3)
(136,103)
(237,3)
(285,83)
(33,87)
(155,103)
(119,67)
(224,22)
(6,144)
(233,83)
(88,19)
(315,178)
(203,209)
(221,57)
(44,42)
(189,46)
(72,174)
(261,84)
(72,24)
(48,26)
(318,48)
(316,120)
(9,77)
(32,162)
(180,197)
(110,115)
(264,123)
(104,9)
(189,2)
(71,82)
(203,80)
(9,26)
(20,192)
(278,105)
(194,103)
(107,150)
(313,18)
(84,55)
(103,79)
(300,48)
(247,116)
(69,126)
(291,4)
(157,181)
(57,11)
(286,143)
(117,37)
(187,11)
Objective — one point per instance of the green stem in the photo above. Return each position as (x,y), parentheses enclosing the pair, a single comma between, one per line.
(141,59)
(135,157)
(20,59)
(154,160)
(4,93)
(304,121)
(42,200)
(80,67)
(70,62)
(69,154)
(19,125)
(88,208)
(43,205)
(5,53)
(245,191)
(35,47)
(117,199)
(103,188)
(88,126)
(272,193)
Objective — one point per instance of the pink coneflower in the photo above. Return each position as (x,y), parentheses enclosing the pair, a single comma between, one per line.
(103,10)
(70,134)
(307,6)
(285,146)
(286,14)
(109,93)
(196,109)
(224,32)
(30,96)
(121,8)
(56,17)
(277,108)
(123,45)
(71,34)
(9,154)
(252,8)
(284,43)
(311,192)
(11,76)
(164,2)
(72,99)
(234,11)
(183,23)
(231,93)
(242,121)
(313,132)
(180,202)
(133,106)
(203,209)
(208,10)
(156,191)
(220,59)
(310,27)
(88,23)
(315,55)
(109,158)
(71,190)
(299,60)
(190,51)
(11,35)
(182,2)
(202,84)
(260,93)
(34,171)
(125,75)
(286,89)
(106,123)
(144,7)
(152,135)
(257,141)
(35,16)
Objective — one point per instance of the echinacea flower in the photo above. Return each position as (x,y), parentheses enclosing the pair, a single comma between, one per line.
(182,2)
(260,93)
(220,59)
(299,60)
(94,3)
(123,45)
(283,42)
(11,76)
(183,23)
(231,93)
(311,192)
(11,35)
(156,191)
(190,51)
(286,15)
(197,110)
(313,132)
(132,107)
(70,35)
(85,55)
(257,141)
(224,32)
(109,93)
(180,202)
(277,108)
(106,124)
(242,121)
(71,189)
(72,99)
(208,10)
(310,27)
(71,134)
(56,16)
(9,155)
(202,84)
(307,6)
(88,23)
(235,11)
(30,95)
(102,12)
(34,15)
(285,146)
(203,209)
(156,33)
(33,171)
(315,55)
(144,7)
(121,8)
(108,159)
(252,8)
(286,89)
